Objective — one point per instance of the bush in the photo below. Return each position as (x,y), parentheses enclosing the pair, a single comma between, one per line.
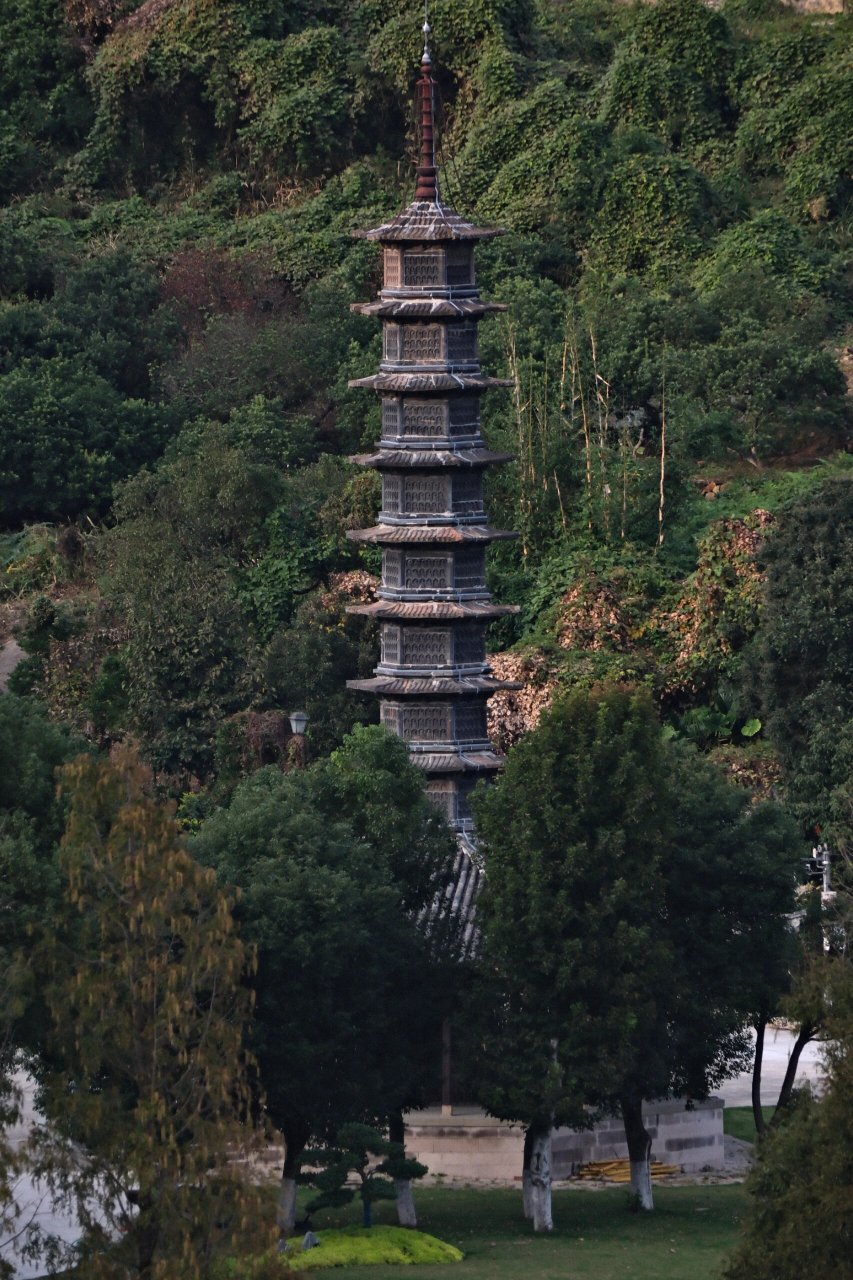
(352,1246)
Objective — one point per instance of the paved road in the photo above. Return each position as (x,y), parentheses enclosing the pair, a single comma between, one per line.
(737,1092)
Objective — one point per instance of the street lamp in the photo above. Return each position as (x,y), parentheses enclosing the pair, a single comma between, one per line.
(298,721)
(298,747)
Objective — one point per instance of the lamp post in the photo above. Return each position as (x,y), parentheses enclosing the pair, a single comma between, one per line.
(298,724)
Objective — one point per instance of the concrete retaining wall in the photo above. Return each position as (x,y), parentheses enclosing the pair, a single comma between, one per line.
(471,1146)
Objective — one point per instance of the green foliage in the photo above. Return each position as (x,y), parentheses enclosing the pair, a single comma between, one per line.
(332,910)
(801,659)
(798,1218)
(597,828)
(67,437)
(354,1150)
(346,1247)
(384,1245)
(173,559)
(298,105)
(31,820)
(43,104)
(656,213)
(143,973)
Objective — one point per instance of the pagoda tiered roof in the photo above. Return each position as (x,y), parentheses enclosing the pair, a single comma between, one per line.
(420,380)
(432,533)
(434,610)
(427,309)
(390,686)
(398,456)
(428,220)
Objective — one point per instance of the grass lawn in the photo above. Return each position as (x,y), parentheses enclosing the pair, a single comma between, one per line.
(738,1121)
(595,1237)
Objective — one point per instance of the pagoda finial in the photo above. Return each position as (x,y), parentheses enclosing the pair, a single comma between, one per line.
(427,188)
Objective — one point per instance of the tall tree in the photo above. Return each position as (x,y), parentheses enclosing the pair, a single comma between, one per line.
(146,1086)
(634,906)
(332,907)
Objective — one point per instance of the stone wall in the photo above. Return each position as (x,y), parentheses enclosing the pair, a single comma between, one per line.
(471,1146)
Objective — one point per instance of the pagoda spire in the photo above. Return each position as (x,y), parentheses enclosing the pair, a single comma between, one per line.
(427,186)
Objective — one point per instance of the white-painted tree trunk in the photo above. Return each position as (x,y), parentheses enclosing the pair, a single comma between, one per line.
(286,1209)
(641,1182)
(527,1195)
(540,1179)
(406,1214)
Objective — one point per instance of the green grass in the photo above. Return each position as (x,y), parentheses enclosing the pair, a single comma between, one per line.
(595,1237)
(739,1122)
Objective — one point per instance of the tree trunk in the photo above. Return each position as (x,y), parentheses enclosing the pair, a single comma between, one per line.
(406,1212)
(639,1151)
(295,1140)
(147,1232)
(526,1179)
(366,1212)
(806,1033)
(757,1113)
(540,1179)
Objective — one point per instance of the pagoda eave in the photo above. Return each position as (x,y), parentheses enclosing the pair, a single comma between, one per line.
(424,220)
(420,381)
(427,308)
(457,762)
(433,610)
(427,458)
(438,685)
(389,534)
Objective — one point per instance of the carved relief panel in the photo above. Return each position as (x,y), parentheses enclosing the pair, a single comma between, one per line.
(423,269)
(390,639)
(390,342)
(392,268)
(392,568)
(426,647)
(391,492)
(429,572)
(426,721)
(424,418)
(425,494)
(422,343)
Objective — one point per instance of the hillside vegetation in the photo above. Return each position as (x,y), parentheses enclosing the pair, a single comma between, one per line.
(180,179)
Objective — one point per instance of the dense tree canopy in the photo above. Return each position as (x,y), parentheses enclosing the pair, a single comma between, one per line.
(336,864)
(634,917)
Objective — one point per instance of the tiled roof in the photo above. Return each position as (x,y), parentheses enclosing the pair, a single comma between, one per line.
(437,533)
(418,382)
(469,457)
(428,220)
(430,609)
(418,308)
(387,686)
(450,921)
(457,761)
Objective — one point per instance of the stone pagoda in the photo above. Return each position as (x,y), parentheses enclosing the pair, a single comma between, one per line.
(433,607)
